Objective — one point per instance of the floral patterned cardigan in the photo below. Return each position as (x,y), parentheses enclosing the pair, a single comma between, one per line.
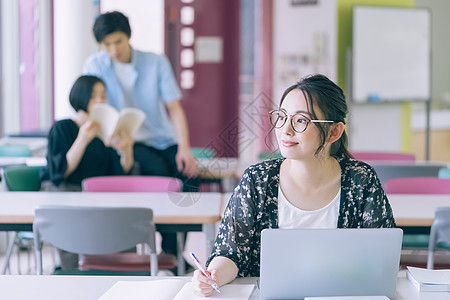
(254,207)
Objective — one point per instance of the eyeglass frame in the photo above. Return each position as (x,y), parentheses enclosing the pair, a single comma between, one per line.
(288,116)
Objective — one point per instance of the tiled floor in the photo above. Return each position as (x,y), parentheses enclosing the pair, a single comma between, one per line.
(24,263)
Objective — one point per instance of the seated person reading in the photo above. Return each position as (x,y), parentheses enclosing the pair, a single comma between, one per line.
(317,184)
(74,150)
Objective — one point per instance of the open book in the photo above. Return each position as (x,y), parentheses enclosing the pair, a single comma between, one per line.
(177,289)
(426,280)
(110,120)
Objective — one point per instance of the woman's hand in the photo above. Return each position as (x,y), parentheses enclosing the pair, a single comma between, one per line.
(202,284)
(123,142)
(88,131)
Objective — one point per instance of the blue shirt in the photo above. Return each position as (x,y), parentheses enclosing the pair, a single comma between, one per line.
(154,85)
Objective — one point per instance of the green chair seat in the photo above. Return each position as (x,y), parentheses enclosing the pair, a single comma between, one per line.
(269,155)
(420,241)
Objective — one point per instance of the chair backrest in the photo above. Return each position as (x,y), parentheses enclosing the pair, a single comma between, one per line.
(386,172)
(440,232)
(269,155)
(444,173)
(418,185)
(372,156)
(93,230)
(22,178)
(131,184)
(202,152)
(15,150)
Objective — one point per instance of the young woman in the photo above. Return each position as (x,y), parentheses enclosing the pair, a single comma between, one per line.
(74,151)
(316,185)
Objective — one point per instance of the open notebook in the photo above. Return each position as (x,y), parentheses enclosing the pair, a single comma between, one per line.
(177,289)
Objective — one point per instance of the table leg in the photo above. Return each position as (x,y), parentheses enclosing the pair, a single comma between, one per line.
(180,248)
(209,229)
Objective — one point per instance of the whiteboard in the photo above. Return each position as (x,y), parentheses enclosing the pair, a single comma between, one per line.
(391,54)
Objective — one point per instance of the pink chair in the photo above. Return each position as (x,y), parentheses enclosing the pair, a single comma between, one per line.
(371,156)
(127,184)
(134,184)
(417,185)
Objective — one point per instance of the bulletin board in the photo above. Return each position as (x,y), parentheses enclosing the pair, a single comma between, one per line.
(391,54)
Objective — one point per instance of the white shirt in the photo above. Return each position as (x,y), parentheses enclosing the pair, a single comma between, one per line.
(290,217)
(125,73)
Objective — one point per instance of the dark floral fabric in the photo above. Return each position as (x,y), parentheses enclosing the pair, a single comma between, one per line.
(254,207)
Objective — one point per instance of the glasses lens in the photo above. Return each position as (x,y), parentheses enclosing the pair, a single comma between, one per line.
(300,122)
(277,118)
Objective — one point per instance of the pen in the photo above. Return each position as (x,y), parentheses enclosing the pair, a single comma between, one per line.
(201,268)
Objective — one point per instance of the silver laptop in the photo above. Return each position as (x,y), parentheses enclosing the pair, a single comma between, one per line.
(299,263)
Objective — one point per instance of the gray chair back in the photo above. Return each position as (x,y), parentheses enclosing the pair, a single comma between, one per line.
(386,172)
(440,232)
(94,230)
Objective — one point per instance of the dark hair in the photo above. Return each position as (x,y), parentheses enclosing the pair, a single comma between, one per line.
(81,91)
(330,99)
(110,22)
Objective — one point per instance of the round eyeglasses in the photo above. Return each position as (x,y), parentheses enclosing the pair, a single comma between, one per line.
(299,122)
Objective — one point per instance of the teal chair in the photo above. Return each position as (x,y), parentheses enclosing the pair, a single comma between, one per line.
(269,155)
(202,152)
(444,173)
(15,150)
(20,178)
(206,153)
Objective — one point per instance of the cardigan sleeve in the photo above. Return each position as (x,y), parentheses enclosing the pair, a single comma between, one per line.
(236,237)
(377,211)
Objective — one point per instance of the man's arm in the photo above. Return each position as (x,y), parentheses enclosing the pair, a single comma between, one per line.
(185,161)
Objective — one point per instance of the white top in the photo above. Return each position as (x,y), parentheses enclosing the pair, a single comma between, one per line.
(125,74)
(290,216)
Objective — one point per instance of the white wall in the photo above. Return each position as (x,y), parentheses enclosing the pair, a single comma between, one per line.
(304,41)
(74,42)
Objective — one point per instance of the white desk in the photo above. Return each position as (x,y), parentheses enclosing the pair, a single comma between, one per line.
(21,287)
(171,211)
(416,210)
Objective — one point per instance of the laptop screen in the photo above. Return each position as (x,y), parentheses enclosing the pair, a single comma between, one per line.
(298,263)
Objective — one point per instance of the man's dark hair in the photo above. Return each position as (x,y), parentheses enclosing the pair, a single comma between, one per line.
(110,22)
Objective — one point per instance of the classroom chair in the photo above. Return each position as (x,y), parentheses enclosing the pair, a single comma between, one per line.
(131,184)
(134,184)
(204,154)
(269,155)
(444,173)
(15,150)
(376,156)
(417,185)
(386,172)
(98,231)
(440,233)
(19,179)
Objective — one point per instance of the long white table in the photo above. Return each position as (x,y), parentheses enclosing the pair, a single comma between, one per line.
(36,287)
(416,210)
(176,212)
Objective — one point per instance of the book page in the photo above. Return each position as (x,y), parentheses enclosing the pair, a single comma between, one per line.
(130,120)
(229,291)
(107,116)
(428,276)
(143,290)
